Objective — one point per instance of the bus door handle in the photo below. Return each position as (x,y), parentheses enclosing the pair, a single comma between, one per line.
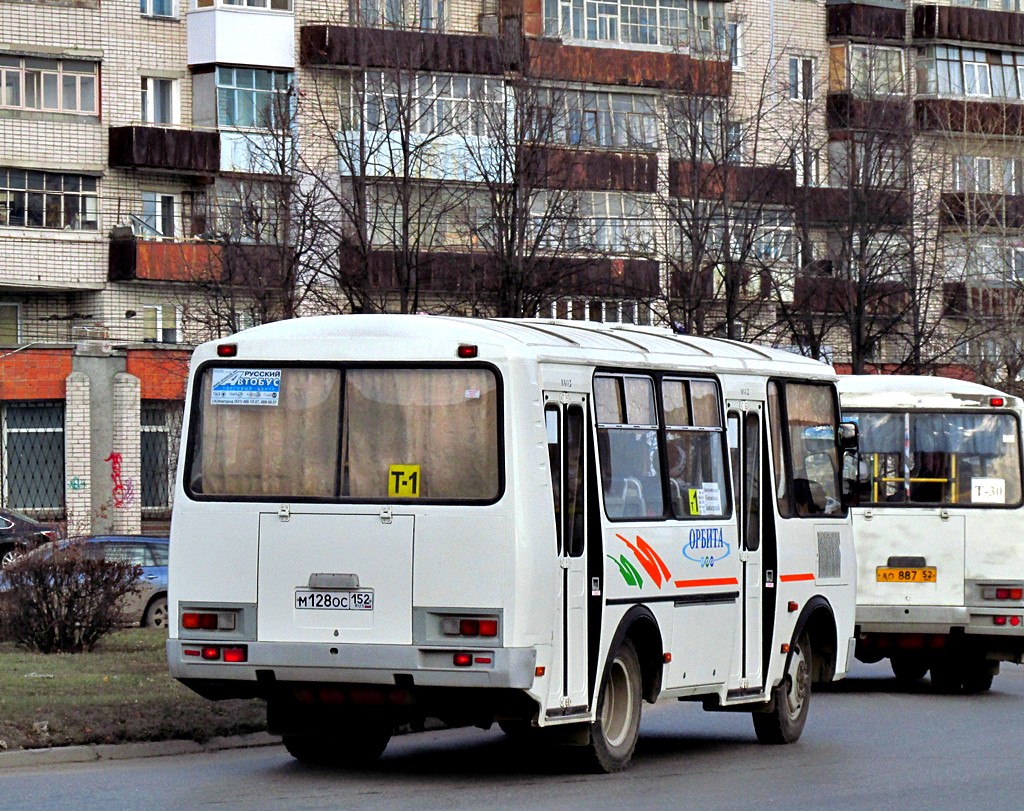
(563,562)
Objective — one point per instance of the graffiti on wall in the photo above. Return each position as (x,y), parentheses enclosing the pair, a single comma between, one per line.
(123,493)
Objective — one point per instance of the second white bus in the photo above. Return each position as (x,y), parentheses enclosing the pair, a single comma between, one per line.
(937,530)
(381,519)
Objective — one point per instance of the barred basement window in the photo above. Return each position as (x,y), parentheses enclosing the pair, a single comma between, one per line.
(161,429)
(33,458)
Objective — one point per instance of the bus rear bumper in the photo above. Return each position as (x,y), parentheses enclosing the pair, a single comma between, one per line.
(270,662)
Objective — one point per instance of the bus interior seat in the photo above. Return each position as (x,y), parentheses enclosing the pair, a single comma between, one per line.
(633,502)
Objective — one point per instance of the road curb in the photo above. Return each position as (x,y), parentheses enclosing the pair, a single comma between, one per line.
(127,751)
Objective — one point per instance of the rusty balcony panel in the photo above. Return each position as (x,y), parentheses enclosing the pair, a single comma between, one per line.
(764,185)
(962,300)
(846,112)
(550,59)
(340,45)
(977,117)
(977,210)
(165,149)
(965,24)
(595,170)
(164,261)
(824,206)
(822,294)
(870,22)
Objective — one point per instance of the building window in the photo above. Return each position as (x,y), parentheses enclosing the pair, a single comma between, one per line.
(875,71)
(160,425)
(801,78)
(158,8)
(250,97)
(10,324)
(33,458)
(158,215)
(972,173)
(440,104)
(949,70)
(428,15)
(159,101)
(48,200)
(619,120)
(273,5)
(736,45)
(1013,176)
(53,85)
(160,323)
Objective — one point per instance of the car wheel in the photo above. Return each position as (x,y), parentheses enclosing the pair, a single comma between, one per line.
(10,555)
(156,613)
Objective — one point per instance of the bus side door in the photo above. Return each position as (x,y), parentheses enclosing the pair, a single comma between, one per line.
(565,417)
(745,453)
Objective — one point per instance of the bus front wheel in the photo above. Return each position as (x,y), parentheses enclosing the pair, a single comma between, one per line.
(791,700)
(614,732)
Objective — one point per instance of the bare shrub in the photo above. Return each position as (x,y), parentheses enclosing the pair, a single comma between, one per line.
(64,601)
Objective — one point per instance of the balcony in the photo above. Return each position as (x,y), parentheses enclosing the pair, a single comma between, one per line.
(165,149)
(134,259)
(761,185)
(873,22)
(963,24)
(826,206)
(847,112)
(241,35)
(950,116)
(597,170)
(981,210)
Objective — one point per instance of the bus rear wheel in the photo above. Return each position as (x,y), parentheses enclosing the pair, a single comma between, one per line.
(355,745)
(908,669)
(791,700)
(614,732)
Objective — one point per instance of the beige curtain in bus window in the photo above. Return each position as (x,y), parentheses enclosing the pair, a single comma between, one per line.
(441,422)
(288,449)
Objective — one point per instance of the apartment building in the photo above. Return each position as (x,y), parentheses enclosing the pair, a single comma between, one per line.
(841,177)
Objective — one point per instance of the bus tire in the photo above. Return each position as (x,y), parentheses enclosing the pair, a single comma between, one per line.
(947,676)
(791,700)
(978,675)
(908,669)
(614,732)
(367,743)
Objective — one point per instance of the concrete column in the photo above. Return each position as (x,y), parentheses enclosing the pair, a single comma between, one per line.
(77,439)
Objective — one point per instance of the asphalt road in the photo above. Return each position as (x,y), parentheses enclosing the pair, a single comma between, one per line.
(867,745)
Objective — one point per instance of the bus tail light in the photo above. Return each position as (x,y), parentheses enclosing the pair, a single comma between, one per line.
(208,621)
(1003,619)
(462,659)
(218,653)
(470,626)
(1003,592)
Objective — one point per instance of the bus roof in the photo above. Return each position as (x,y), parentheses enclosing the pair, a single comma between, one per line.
(429,337)
(917,391)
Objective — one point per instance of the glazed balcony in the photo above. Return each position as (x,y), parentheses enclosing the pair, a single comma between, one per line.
(241,35)
(980,210)
(165,149)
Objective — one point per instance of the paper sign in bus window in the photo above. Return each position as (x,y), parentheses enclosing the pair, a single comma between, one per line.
(261,387)
(706,500)
(988,491)
(404,481)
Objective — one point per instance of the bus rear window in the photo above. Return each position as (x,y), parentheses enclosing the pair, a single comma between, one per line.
(429,434)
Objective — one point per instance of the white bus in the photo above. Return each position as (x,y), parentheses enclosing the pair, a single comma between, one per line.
(940,570)
(380,519)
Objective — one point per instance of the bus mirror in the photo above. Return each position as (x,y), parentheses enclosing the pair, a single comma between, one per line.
(851,479)
(848,436)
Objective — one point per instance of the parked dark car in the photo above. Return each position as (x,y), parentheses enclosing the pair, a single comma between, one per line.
(148,606)
(20,534)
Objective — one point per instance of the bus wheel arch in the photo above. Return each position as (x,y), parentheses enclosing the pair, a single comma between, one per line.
(819,622)
(641,628)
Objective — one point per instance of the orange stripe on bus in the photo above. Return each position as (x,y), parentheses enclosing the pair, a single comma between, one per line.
(789,578)
(714,581)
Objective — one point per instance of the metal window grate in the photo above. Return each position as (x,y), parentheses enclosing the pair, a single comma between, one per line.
(161,429)
(830,559)
(32,472)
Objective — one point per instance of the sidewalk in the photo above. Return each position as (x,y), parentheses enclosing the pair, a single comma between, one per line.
(126,751)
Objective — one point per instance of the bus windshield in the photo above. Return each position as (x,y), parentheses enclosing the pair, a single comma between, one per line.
(939,458)
(335,433)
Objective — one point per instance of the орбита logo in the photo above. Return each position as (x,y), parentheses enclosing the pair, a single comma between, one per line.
(706,546)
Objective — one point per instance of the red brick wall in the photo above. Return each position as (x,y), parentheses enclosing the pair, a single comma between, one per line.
(35,374)
(162,373)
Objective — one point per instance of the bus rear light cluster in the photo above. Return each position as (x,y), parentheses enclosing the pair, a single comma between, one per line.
(218,653)
(208,621)
(1002,619)
(470,626)
(463,659)
(1003,593)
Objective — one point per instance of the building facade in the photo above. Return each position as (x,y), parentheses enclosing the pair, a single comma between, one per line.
(842,178)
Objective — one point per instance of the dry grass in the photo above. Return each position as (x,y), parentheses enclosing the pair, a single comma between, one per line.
(119,692)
